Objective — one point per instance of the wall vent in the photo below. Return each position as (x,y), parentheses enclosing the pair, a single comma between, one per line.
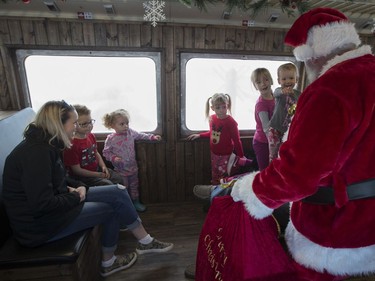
(367,24)
(273,17)
(109,9)
(51,5)
(226,15)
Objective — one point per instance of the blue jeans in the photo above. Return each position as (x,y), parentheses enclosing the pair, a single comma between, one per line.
(107,205)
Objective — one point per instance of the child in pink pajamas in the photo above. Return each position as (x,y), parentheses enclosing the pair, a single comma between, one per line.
(119,149)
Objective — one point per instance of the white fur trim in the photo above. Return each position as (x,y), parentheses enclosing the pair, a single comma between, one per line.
(359,52)
(345,261)
(322,40)
(243,190)
(302,52)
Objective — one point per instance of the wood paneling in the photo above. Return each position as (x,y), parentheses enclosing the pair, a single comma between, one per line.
(15,32)
(52,30)
(77,35)
(168,169)
(40,33)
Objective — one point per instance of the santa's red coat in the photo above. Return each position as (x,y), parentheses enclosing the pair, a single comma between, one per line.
(331,142)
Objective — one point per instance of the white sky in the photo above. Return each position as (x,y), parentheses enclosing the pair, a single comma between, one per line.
(230,76)
(103,84)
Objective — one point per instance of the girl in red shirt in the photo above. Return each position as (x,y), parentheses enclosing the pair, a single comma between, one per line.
(225,144)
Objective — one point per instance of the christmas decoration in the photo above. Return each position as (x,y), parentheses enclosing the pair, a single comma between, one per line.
(154,11)
(23,1)
(288,6)
(254,6)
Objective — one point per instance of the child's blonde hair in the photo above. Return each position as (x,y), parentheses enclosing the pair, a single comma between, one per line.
(82,109)
(109,118)
(287,66)
(218,98)
(258,73)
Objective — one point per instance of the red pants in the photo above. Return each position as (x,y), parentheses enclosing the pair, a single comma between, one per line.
(274,141)
(219,166)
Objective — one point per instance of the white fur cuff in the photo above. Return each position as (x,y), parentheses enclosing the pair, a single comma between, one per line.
(243,190)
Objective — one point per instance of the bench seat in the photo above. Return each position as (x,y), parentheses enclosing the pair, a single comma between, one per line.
(75,257)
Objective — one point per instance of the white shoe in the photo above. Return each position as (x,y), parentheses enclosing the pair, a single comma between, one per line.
(120,186)
(232,166)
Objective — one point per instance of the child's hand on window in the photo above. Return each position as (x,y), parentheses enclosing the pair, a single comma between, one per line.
(156,137)
(193,137)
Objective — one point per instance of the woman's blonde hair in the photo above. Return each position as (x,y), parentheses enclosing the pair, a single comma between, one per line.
(51,118)
(109,118)
(218,98)
(258,73)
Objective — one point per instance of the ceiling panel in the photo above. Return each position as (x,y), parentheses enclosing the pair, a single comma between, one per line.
(360,12)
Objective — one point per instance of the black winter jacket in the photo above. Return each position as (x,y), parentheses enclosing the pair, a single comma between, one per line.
(35,190)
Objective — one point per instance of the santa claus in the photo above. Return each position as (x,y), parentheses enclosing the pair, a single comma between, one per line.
(325,167)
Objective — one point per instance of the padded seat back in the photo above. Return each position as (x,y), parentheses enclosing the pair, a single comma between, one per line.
(12,129)
(11,135)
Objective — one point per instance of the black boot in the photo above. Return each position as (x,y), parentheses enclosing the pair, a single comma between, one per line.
(190,271)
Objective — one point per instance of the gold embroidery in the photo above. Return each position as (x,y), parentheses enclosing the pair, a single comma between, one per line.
(217,263)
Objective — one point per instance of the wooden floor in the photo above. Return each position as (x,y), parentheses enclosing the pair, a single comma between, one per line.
(177,223)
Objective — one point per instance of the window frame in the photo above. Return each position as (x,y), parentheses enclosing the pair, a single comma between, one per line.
(186,55)
(156,55)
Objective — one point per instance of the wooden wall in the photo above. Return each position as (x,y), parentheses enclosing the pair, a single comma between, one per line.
(170,169)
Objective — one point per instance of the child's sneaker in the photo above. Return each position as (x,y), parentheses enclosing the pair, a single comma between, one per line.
(154,247)
(120,186)
(243,162)
(139,206)
(235,162)
(120,263)
(233,167)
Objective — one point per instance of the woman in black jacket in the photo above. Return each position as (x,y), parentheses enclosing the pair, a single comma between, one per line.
(43,207)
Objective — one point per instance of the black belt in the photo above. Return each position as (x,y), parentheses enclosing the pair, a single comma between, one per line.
(325,194)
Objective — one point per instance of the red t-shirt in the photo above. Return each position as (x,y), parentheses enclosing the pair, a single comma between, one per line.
(82,152)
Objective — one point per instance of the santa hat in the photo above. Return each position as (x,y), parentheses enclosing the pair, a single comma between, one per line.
(320,31)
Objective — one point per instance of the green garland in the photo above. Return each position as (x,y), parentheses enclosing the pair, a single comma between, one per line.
(253,6)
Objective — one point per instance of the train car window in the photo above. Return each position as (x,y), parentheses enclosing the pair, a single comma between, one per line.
(103,81)
(202,75)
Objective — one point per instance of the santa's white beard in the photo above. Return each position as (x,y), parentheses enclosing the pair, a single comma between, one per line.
(312,73)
